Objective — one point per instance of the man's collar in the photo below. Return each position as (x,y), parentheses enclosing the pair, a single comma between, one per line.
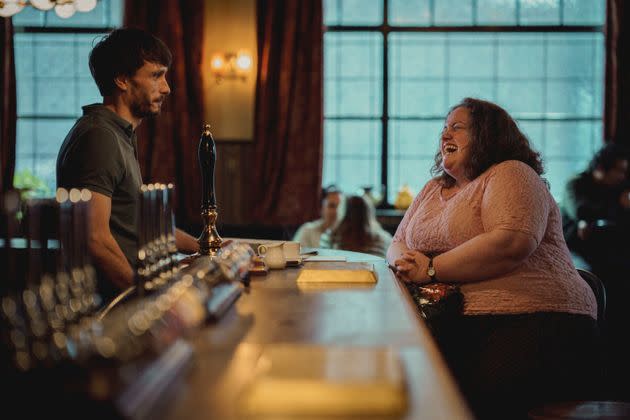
(109,114)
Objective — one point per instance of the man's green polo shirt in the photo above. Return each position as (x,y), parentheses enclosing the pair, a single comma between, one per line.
(100,154)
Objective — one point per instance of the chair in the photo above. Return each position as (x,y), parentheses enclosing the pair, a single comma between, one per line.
(574,410)
(599,290)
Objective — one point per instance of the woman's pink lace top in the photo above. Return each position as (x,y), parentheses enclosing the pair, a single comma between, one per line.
(511,196)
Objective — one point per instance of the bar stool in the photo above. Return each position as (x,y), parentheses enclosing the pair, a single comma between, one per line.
(583,410)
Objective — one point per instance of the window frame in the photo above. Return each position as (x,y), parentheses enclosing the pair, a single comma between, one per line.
(385,29)
(34,116)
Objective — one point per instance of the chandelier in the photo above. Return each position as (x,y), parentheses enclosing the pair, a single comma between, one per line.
(63,8)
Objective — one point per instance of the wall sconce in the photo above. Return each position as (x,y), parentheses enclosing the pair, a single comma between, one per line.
(229,65)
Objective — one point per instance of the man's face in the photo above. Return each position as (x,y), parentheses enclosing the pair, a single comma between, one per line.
(329,207)
(617,174)
(147,90)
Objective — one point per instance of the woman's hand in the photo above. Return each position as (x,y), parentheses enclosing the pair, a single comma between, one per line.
(412,267)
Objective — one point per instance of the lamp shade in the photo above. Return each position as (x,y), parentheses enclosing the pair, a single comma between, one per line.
(84,5)
(42,4)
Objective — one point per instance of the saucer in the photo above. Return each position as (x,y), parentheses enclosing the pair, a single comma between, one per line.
(294,262)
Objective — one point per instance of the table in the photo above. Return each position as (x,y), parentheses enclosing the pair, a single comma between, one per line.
(274,310)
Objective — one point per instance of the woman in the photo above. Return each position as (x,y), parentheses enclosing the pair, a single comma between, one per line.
(488,223)
(358,230)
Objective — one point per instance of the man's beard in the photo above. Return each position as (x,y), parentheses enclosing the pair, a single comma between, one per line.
(142,109)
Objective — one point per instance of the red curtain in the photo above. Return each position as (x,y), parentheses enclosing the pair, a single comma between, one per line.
(617,96)
(8,114)
(167,144)
(287,168)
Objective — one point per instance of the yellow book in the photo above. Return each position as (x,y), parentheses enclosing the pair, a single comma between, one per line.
(311,380)
(337,272)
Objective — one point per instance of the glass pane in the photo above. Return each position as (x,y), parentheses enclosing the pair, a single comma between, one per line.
(352,153)
(353,12)
(56,96)
(520,56)
(522,98)
(55,55)
(534,130)
(454,12)
(409,12)
(353,69)
(417,74)
(55,66)
(571,55)
(88,93)
(471,55)
(570,98)
(50,133)
(25,93)
(575,140)
(584,12)
(417,55)
(414,139)
(25,138)
(25,52)
(417,98)
(358,138)
(537,12)
(479,88)
(496,12)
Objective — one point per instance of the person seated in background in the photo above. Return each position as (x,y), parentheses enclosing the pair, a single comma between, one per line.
(596,212)
(596,219)
(309,233)
(488,223)
(358,230)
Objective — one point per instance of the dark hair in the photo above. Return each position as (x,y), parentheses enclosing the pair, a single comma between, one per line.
(331,189)
(607,156)
(354,230)
(121,53)
(494,138)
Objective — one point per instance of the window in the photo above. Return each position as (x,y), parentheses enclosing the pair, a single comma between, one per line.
(54,81)
(393,69)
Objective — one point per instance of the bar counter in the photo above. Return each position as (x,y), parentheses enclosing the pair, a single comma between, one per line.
(275,310)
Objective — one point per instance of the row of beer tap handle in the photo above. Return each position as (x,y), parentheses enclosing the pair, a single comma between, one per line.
(51,311)
(49,293)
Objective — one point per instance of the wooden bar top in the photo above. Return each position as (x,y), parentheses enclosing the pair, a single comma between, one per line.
(276,310)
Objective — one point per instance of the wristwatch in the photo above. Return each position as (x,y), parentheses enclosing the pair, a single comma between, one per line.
(431,270)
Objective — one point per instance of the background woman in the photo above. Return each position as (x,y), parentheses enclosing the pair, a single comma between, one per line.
(358,230)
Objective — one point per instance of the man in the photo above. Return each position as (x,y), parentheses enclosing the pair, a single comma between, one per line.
(100,152)
(596,211)
(309,233)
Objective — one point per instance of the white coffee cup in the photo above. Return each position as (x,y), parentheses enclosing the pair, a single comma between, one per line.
(273,255)
(291,250)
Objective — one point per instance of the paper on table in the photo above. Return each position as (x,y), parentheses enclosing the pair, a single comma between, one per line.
(312,380)
(338,272)
(315,258)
